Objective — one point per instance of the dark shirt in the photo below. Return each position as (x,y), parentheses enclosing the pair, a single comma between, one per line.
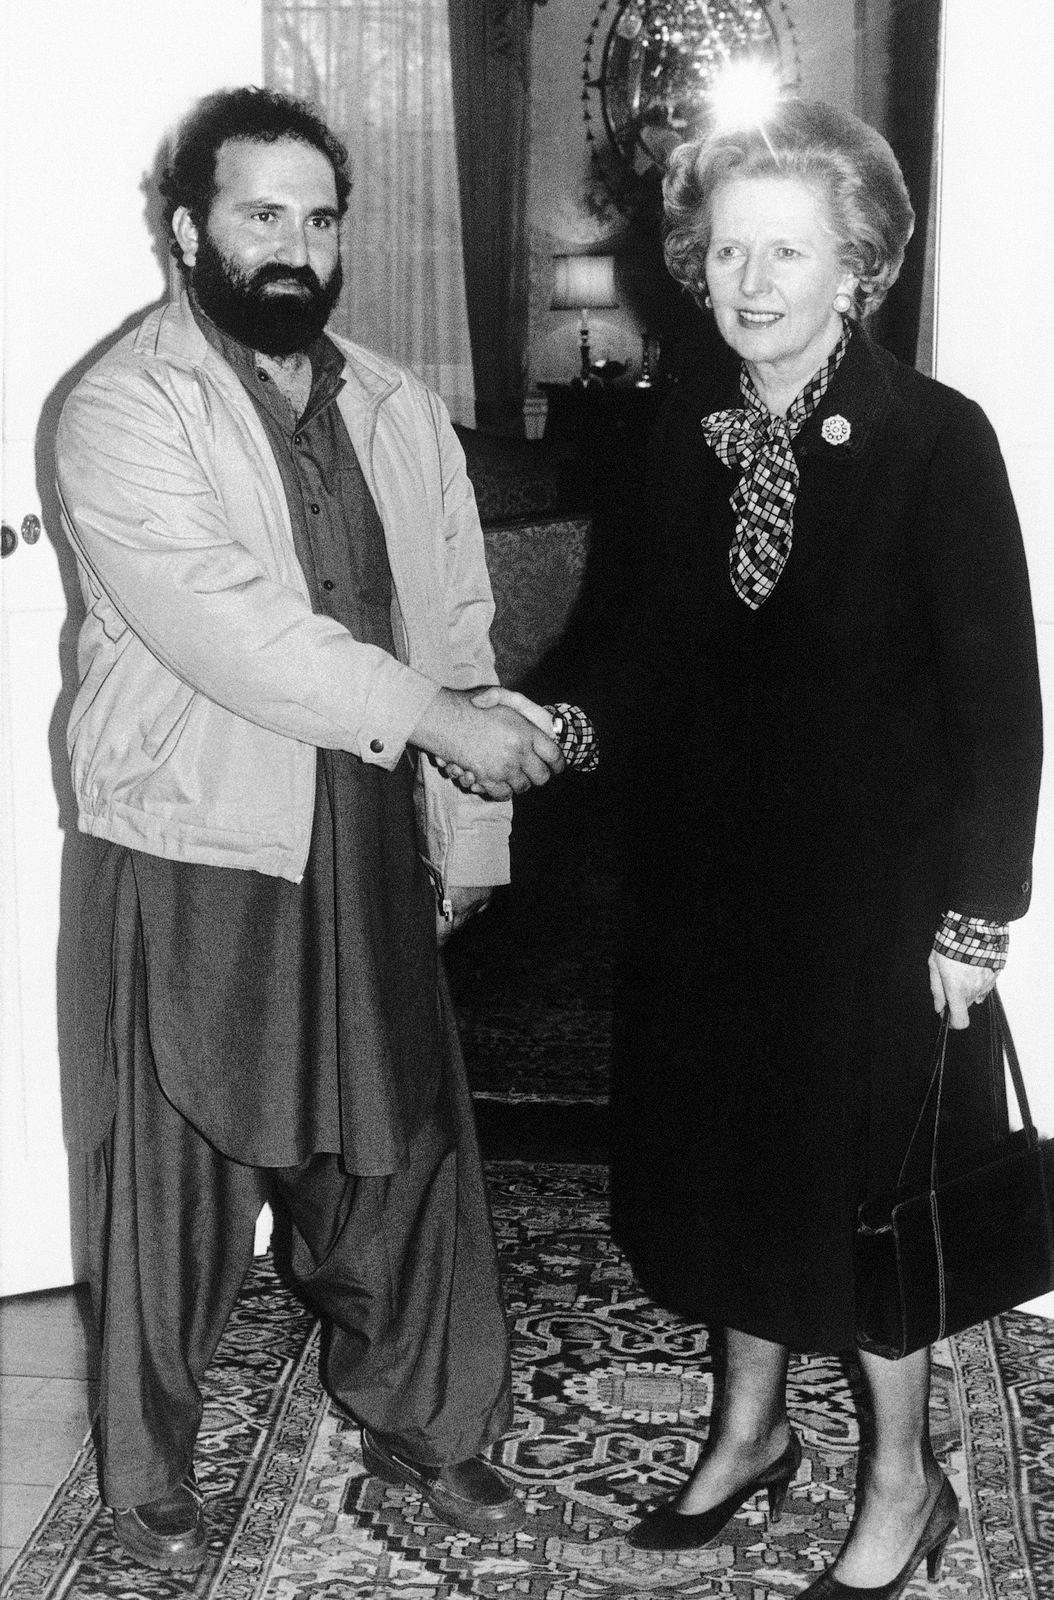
(294,1019)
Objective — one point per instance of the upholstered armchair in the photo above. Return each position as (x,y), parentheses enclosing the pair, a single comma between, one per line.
(537,543)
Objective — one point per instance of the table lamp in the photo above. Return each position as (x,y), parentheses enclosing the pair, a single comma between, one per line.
(584,283)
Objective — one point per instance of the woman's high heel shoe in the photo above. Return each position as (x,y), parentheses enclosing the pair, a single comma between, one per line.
(668,1529)
(932,1542)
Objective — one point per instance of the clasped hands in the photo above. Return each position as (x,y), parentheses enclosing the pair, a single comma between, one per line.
(490,741)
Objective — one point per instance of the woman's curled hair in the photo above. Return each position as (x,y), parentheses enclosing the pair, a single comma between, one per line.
(843,159)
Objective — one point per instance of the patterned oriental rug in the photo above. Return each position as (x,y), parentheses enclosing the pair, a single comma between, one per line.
(612,1394)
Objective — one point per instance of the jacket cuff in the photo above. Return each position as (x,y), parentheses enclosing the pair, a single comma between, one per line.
(393,710)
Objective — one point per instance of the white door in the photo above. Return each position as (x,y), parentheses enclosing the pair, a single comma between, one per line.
(91,88)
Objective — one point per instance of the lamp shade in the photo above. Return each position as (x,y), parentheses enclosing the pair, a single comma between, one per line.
(583,282)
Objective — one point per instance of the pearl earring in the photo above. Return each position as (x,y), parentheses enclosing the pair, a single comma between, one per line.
(708,303)
(842,303)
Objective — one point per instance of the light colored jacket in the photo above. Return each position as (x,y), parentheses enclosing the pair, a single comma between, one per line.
(206,681)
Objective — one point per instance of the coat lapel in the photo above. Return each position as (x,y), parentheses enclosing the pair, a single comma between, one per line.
(859,394)
(836,447)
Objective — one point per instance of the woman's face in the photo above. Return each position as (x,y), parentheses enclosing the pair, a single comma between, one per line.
(772,271)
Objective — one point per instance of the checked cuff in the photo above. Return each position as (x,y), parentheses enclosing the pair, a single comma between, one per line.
(973,940)
(575,735)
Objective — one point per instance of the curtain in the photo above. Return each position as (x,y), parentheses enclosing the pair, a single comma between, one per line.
(914,65)
(491,42)
(379,71)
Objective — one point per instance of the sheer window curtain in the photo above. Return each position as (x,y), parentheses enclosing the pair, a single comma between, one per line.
(380,73)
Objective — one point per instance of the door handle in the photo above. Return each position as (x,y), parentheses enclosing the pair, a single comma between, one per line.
(31,531)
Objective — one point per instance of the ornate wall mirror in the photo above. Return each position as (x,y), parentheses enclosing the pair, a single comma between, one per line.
(650,68)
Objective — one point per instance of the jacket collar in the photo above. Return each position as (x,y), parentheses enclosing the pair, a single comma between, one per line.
(172,332)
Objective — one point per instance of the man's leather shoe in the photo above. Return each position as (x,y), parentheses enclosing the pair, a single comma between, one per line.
(168,1533)
(470,1495)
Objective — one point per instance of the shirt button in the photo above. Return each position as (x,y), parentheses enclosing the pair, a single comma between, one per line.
(261,375)
(314,506)
(298,438)
(376,745)
(327,584)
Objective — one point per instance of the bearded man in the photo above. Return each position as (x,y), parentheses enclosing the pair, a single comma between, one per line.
(287,610)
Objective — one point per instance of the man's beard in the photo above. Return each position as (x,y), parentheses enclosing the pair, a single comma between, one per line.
(277,323)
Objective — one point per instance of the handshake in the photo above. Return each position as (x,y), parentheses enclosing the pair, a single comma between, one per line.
(491,741)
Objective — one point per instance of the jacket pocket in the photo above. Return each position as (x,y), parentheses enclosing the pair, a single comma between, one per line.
(166,725)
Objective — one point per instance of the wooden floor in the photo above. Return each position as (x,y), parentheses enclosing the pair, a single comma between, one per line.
(47,1395)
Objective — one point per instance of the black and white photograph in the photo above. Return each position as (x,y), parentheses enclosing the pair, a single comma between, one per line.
(527,909)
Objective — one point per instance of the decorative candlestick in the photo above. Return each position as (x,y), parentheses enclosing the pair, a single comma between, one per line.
(644,381)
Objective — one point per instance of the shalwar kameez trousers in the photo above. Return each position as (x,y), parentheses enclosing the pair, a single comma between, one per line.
(243,1038)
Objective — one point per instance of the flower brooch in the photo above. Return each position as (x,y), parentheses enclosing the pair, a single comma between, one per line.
(835,430)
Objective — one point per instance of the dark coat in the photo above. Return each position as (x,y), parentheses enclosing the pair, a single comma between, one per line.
(809,787)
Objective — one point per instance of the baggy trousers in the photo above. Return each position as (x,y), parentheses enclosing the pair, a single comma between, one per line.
(402,1268)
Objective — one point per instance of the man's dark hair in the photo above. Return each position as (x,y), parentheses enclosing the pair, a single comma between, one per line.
(253,115)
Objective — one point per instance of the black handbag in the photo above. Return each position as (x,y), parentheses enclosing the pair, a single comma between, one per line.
(939,1256)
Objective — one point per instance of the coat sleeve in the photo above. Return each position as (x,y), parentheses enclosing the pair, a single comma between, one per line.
(148,523)
(986,649)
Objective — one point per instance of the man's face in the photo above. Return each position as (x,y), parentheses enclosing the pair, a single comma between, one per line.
(266,268)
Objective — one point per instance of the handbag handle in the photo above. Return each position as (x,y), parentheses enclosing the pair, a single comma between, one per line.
(1002,1045)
